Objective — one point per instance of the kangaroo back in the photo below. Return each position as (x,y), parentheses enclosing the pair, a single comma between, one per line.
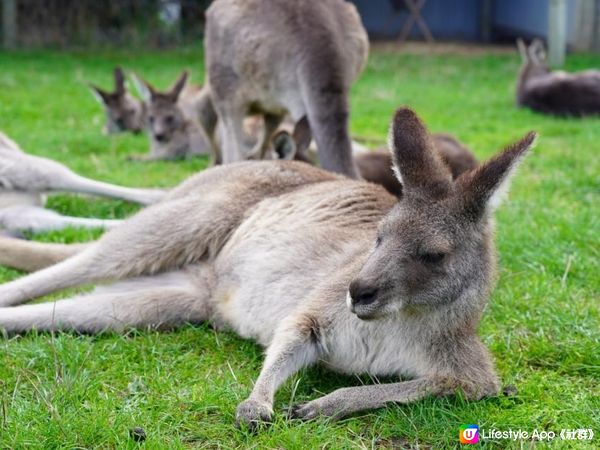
(556,93)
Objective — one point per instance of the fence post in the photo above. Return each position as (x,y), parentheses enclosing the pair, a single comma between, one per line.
(557,32)
(9,23)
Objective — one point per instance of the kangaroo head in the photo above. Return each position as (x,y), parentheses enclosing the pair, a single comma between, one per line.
(435,246)
(533,59)
(286,145)
(123,112)
(164,115)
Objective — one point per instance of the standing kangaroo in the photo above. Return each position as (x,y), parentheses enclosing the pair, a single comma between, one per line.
(24,179)
(123,111)
(400,288)
(278,56)
(559,93)
(172,120)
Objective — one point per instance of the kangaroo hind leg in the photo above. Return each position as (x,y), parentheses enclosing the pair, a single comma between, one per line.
(30,256)
(158,239)
(164,301)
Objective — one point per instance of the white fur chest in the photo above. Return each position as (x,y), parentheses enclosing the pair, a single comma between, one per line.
(379,347)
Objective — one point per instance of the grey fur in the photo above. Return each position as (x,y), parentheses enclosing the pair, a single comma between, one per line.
(399,289)
(319,50)
(557,92)
(172,120)
(24,179)
(123,111)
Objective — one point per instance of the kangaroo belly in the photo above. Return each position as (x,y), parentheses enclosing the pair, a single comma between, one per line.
(270,274)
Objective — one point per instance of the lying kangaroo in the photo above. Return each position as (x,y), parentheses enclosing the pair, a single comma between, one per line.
(558,92)
(375,166)
(25,178)
(123,111)
(172,120)
(281,56)
(400,289)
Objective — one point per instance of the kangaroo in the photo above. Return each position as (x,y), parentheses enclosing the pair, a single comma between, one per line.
(374,166)
(172,120)
(250,70)
(401,285)
(558,93)
(123,111)
(24,179)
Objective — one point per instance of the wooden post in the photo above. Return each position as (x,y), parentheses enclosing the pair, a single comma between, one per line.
(596,32)
(9,23)
(585,24)
(557,32)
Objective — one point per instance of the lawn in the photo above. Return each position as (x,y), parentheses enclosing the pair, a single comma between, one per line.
(542,324)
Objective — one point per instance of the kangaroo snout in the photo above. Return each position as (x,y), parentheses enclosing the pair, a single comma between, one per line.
(361,294)
(160,137)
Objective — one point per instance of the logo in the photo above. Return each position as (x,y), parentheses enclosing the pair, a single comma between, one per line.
(469,434)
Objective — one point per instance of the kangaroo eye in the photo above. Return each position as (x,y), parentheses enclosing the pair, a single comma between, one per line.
(170,119)
(432,258)
(151,118)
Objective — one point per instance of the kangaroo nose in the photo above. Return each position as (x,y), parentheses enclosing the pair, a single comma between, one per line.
(362,294)
(160,137)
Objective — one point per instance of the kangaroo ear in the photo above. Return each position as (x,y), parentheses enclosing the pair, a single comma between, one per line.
(178,86)
(284,145)
(302,135)
(119,81)
(483,188)
(99,94)
(143,88)
(536,51)
(522,50)
(416,164)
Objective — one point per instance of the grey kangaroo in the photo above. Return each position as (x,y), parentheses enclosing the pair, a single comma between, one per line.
(278,56)
(558,92)
(123,111)
(400,288)
(25,179)
(172,120)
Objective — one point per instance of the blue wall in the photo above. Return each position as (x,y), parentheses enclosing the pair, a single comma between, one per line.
(457,19)
(461,19)
(529,18)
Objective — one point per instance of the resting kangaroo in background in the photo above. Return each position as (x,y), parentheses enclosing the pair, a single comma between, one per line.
(400,289)
(376,165)
(25,178)
(558,92)
(172,120)
(282,56)
(123,111)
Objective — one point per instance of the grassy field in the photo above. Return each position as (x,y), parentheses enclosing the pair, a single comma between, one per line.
(542,324)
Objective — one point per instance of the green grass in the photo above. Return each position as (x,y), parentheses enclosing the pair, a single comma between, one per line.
(68,391)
